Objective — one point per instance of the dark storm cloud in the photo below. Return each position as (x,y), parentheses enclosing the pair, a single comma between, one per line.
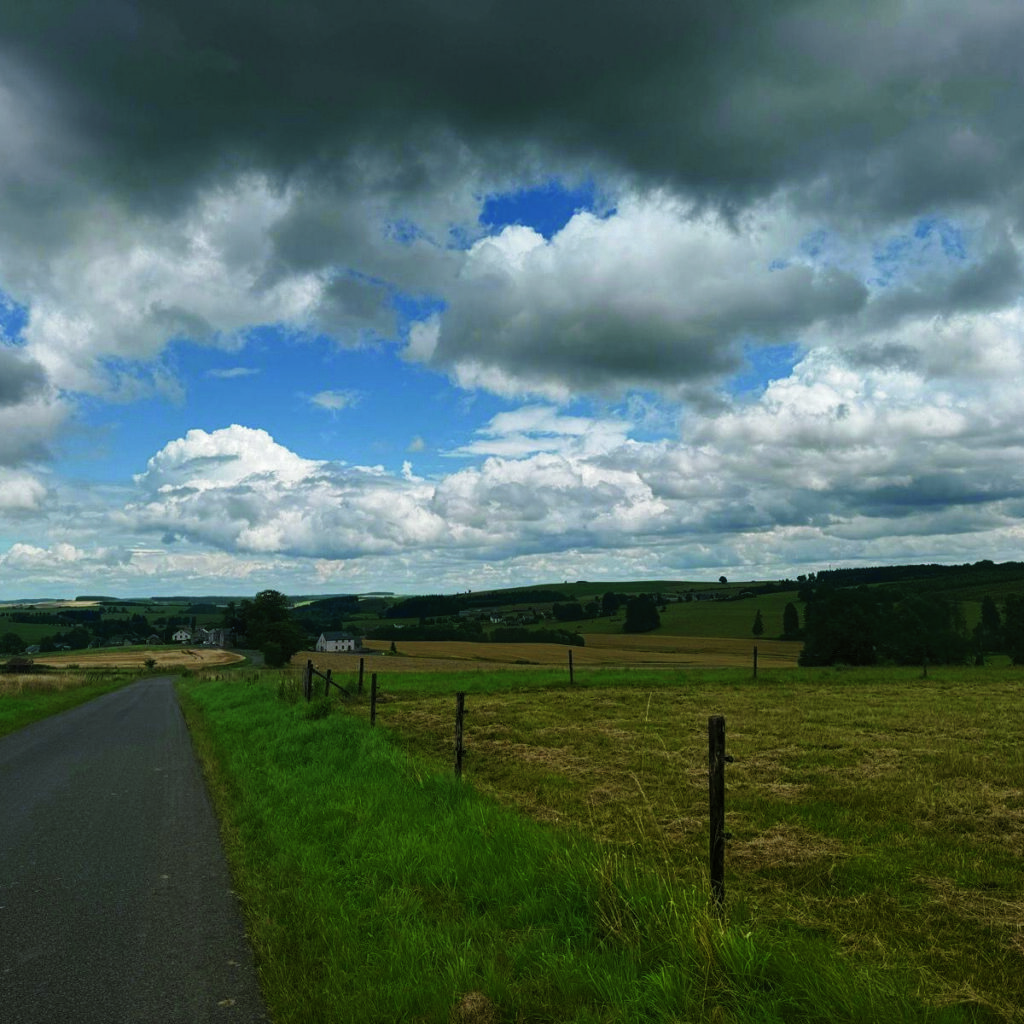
(21,379)
(880,104)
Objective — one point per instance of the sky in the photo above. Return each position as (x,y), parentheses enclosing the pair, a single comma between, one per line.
(433,296)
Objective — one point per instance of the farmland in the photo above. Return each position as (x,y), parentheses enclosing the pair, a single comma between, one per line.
(877,824)
(881,809)
(600,650)
(172,659)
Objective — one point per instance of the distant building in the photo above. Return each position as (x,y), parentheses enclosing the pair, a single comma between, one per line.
(217,637)
(182,636)
(331,643)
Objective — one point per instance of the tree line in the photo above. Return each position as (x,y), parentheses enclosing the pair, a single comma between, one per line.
(872,625)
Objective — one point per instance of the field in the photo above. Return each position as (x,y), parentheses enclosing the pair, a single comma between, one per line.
(883,810)
(601,649)
(172,659)
(709,618)
(872,874)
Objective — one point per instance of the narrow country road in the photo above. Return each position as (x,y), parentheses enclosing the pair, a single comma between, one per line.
(115,901)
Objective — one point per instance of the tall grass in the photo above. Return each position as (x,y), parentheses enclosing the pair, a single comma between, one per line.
(379,888)
(28,697)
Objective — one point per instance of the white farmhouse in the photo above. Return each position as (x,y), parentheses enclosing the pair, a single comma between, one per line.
(334,642)
(183,636)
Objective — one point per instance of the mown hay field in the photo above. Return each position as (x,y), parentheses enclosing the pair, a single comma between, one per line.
(602,649)
(877,807)
(136,657)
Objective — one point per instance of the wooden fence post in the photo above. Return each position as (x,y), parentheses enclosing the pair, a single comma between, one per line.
(716,800)
(460,711)
(755,661)
(572,681)
(361,675)
(373,698)
(327,684)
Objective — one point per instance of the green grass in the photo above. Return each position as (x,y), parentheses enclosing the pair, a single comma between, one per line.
(30,632)
(42,695)
(877,808)
(379,888)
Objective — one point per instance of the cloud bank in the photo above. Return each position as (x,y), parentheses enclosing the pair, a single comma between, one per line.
(801,254)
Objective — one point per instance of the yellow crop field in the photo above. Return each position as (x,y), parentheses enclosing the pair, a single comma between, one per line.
(601,649)
(720,651)
(377,659)
(165,657)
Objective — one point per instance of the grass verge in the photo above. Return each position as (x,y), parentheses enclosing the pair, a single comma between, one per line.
(27,698)
(379,888)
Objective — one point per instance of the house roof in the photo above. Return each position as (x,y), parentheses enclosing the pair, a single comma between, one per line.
(339,636)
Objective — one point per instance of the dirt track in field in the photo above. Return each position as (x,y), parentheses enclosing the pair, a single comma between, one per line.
(165,657)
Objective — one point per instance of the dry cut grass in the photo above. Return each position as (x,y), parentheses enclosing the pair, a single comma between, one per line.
(25,683)
(881,808)
(135,658)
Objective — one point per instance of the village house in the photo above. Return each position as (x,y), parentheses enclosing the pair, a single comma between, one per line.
(332,643)
(182,636)
(217,637)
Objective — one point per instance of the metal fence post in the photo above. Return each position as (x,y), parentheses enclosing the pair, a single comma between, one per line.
(460,712)
(716,800)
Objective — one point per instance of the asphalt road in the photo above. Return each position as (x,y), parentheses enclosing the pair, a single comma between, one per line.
(115,898)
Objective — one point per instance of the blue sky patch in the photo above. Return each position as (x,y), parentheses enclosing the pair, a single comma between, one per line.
(763,364)
(413,308)
(933,242)
(13,317)
(546,208)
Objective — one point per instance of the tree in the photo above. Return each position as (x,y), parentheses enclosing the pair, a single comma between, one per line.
(641,615)
(758,628)
(922,628)
(11,643)
(268,606)
(572,611)
(990,621)
(77,638)
(273,655)
(722,579)
(865,625)
(267,623)
(988,633)
(841,626)
(1013,628)
(790,621)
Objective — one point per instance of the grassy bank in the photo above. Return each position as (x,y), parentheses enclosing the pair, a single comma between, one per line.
(378,888)
(27,698)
